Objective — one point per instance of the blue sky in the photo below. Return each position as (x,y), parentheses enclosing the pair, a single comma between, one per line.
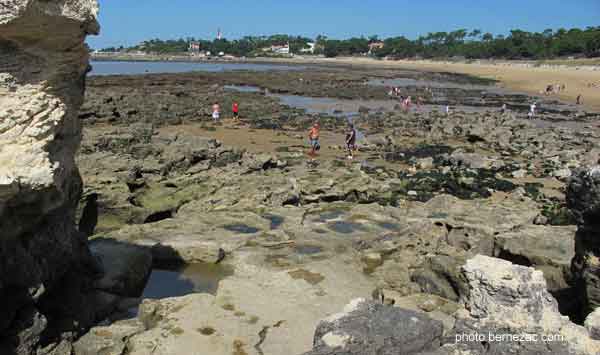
(127,22)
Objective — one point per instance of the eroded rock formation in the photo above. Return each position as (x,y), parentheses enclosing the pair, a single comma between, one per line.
(43,260)
(508,311)
(583,199)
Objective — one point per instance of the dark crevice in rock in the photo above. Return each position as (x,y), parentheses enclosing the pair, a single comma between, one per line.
(263,336)
(515,259)
(159,216)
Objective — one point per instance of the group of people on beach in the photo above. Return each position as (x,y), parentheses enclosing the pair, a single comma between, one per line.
(350,141)
(406,101)
(554,89)
(313,134)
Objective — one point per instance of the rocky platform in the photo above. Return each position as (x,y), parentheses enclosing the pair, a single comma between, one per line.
(411,224)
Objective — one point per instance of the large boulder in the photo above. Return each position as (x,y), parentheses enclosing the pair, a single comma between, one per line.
(369,328)
(511,299)
(507,311)
(42,77)
(549,249)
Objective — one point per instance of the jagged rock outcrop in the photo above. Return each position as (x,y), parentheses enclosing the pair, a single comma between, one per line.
(43,62)
(508,310)
(583,199)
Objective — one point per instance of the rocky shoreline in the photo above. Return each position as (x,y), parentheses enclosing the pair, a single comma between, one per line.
(443,229)
(428,193)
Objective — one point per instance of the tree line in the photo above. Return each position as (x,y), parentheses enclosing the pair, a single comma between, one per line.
(475,44)
(246,46)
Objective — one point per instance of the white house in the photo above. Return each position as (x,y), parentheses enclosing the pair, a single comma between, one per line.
(310,49)
(278,49)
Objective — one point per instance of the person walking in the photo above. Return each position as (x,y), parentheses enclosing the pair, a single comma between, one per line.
(236,110)
(216,112)
(532,108)
(313,137)
(350,140)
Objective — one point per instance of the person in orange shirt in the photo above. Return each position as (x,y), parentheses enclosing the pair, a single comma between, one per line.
(313,137)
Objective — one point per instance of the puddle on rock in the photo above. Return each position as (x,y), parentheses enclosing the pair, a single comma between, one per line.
(327,216)
(307,249)
(276,221)
(241,228)
(185,280)
(389,226)
(344,227)
(242,88)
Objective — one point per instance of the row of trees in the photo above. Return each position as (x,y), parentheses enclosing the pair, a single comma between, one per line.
(460,43)
(477,45)
(247,46)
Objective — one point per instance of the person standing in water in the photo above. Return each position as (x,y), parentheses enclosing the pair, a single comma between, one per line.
(351,140)
(313,137)
(216,112)
(579,99)
(236,110)
(503,110)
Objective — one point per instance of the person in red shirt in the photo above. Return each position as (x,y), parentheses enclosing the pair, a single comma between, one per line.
(236,110)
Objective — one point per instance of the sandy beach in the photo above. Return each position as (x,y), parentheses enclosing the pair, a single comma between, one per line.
(529,79)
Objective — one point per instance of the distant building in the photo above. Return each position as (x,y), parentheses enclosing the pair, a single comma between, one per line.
(310,49)
(375,45)
(194,47)
(278,49)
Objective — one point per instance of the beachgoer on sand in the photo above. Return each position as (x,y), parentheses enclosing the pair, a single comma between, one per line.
(532,108)
(236,110)
(351,140)
(579,99)
(216,111)
(313,137)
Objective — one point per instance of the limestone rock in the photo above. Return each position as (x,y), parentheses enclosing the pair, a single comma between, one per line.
(510,294)
(514,298)
(108,340)
(592,324)
(42,77)
(546,248)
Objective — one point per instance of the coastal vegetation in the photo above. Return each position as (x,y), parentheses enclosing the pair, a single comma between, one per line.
(474,44)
